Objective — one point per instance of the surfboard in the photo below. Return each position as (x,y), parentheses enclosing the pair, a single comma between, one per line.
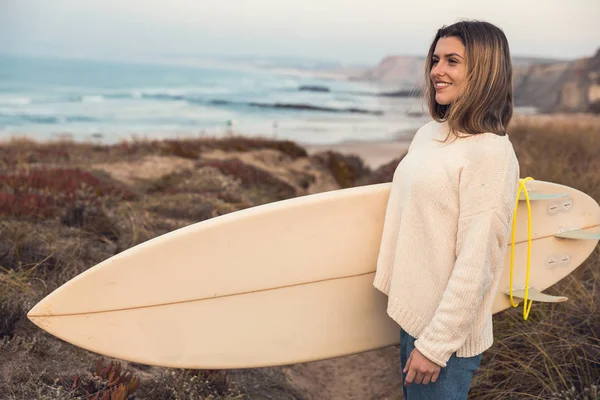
(282,283)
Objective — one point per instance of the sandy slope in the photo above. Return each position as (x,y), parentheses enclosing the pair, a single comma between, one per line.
(374,154)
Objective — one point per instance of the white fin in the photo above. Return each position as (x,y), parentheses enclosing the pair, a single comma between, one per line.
(536,295)
(579,234)
(542,196)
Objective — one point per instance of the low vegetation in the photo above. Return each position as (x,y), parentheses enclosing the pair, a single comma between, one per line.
(63,210)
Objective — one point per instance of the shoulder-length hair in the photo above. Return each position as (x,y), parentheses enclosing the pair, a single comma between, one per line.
(485,103)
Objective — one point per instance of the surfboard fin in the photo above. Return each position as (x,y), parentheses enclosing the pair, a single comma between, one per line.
(542,196)
(579,234)
(536,295)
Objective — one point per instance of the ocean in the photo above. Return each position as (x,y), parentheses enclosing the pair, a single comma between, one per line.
(102,101)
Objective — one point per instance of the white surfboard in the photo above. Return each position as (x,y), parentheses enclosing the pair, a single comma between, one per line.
(282,283)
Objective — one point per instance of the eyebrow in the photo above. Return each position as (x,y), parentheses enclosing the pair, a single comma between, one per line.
(450,55)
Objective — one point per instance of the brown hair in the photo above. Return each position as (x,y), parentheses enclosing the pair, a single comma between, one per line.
(485,103)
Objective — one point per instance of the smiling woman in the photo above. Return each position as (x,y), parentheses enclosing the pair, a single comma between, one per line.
(455,199)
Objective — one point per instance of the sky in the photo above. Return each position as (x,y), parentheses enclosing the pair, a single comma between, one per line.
(348,31)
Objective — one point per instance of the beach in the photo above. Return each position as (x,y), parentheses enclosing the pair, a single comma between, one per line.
(373,153)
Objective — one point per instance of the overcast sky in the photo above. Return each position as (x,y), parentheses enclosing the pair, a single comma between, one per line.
(352,31)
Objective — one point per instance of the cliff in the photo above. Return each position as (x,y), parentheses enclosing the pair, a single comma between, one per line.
(399,70)
(580,87)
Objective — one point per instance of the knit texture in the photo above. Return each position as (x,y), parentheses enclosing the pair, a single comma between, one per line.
(446,230)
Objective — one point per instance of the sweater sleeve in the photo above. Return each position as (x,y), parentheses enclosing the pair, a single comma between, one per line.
(487,193)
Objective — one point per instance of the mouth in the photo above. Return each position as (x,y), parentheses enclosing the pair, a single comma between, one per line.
(439,86)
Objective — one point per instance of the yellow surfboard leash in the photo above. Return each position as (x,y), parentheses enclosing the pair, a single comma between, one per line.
(526,306)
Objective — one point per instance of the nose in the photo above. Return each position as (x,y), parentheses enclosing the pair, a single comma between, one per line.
(438,70)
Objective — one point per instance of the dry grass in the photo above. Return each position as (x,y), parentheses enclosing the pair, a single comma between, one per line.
(347,170)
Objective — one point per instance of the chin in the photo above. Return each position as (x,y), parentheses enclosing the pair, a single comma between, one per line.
(442,102)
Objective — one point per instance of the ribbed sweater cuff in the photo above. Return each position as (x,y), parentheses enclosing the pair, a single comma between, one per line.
(441,359)
(414,324)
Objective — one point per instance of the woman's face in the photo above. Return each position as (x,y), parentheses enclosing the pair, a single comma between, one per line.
(448,67)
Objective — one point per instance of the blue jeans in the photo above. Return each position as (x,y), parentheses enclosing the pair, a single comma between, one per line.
(454,380)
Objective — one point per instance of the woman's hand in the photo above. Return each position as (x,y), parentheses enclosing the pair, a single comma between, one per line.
(420,369)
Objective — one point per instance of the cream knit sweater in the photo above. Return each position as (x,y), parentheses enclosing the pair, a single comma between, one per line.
(446,228)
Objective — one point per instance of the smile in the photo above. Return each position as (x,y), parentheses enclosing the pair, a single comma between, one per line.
(442,86)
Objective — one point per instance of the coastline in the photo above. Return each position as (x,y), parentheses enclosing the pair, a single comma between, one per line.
(374,153)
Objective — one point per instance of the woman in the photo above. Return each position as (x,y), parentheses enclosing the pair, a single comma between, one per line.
(449,213)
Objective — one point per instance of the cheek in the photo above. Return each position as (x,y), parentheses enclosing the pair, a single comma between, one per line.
(460,76)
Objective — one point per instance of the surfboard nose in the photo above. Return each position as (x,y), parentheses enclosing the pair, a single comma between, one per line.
(44,318)
(41,309)
(40,316)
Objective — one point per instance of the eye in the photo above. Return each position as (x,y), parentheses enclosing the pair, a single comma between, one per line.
(452,61)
